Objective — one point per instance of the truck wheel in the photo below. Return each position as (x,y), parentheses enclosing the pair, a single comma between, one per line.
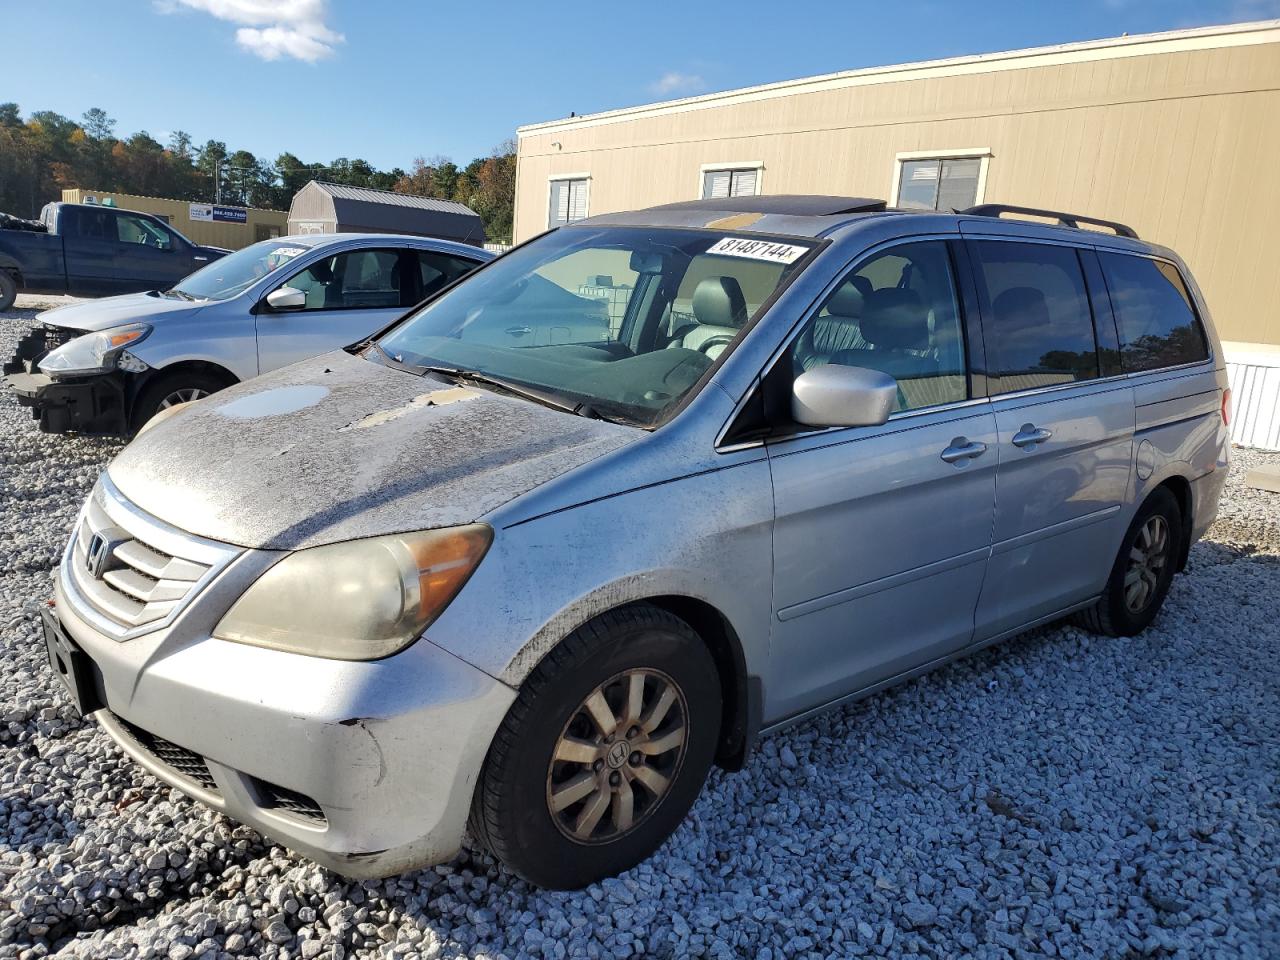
(603,752)
(1143,571)
(172,389)
(8,290)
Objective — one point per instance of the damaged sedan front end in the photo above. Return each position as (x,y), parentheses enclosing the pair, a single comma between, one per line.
(75,380)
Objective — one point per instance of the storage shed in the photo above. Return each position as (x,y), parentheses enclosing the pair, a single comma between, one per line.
(321,207)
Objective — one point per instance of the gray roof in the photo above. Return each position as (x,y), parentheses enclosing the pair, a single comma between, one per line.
(370,195)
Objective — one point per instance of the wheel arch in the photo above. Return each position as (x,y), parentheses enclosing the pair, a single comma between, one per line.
(1180,487)
(194,366)
(742,691)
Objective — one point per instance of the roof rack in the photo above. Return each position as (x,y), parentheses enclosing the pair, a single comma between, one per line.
(797,205)
(1066,219)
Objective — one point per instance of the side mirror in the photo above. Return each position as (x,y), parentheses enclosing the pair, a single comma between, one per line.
(286,298)
(838,396)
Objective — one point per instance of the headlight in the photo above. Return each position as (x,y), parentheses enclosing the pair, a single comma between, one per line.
(358,600)
(94,352)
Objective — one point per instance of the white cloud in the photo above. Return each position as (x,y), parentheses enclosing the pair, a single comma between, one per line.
(272,29)
(675,82)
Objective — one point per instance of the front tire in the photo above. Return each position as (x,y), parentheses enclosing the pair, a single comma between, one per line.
(603,752)
(8,290)
(168,390)
(1143,570)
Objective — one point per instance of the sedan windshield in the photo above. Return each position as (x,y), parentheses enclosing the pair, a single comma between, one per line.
(236,272)
(617,322)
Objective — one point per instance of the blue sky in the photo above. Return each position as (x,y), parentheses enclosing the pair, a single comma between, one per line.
(389,80)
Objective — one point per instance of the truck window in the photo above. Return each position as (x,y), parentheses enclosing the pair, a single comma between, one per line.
(132,229)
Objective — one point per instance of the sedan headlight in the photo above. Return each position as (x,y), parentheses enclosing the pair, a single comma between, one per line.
(94,352)
(358,600)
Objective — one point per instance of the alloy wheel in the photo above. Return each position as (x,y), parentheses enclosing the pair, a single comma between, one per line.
(185,395)
(618,756)
(1147,559)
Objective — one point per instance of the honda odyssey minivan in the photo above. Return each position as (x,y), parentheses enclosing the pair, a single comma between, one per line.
(447,577)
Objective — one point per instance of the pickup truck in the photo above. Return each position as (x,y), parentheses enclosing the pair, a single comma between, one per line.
(89,250)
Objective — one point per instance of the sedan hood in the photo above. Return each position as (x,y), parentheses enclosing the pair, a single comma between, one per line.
(338,447)
(93,315)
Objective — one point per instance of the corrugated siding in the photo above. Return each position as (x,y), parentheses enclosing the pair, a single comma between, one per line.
(1182,145)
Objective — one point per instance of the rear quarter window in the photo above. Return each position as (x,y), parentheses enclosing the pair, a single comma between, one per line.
(1157,322)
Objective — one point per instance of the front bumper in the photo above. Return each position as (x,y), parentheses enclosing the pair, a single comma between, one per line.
(368,768)
(96,404)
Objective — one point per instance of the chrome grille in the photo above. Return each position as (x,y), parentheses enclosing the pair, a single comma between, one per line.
(147,570)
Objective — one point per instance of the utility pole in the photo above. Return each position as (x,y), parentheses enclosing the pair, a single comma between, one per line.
(217,183)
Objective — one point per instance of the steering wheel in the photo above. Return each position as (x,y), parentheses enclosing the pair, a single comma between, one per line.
(720,340)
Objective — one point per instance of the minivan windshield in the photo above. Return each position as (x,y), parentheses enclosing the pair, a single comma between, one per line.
(615,322)
(236,272)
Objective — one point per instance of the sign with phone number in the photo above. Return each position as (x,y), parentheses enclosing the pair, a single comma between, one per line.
(209,212)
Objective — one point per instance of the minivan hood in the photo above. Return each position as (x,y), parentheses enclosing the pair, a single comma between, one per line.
(338,447)
(92,315)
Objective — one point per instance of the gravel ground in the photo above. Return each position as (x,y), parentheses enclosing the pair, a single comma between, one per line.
(1063,795)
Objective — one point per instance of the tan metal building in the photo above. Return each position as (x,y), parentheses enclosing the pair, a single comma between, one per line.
(1176,134)
(218,225)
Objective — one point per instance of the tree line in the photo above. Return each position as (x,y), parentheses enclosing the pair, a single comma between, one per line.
(47,152)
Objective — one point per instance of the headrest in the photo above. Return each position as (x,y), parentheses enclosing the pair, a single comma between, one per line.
(1020,308)
(322,270)
(895,319)
(719,301)
(848,298)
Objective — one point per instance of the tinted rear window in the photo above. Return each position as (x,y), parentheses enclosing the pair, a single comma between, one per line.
(1157,322)
(1038,326)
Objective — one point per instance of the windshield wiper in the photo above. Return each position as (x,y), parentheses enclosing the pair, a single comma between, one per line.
(174,291)
(543,397)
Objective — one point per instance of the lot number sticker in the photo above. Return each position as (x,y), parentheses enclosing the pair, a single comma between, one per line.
(759,250)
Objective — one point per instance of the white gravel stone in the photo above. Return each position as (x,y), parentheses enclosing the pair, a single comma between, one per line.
(1062,795)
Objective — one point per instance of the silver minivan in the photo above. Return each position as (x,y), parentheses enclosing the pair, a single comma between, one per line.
(437,580)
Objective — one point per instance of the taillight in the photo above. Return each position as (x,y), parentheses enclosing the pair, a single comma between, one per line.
(1226,407)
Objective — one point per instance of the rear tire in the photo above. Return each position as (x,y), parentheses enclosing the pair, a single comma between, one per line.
(181,386)
(603,752)
(8,290)
(1142,572)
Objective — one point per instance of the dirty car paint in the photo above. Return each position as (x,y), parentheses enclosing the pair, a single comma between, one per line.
(382,451)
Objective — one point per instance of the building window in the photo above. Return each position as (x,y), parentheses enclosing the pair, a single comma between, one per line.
(730,180)
(717,184)
(940,182)
(568,199)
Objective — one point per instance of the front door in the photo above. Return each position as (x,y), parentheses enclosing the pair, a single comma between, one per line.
(1065,434)
(882,533)
(149,257)
(349,296)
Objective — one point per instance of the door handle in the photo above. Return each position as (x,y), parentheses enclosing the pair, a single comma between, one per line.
(200,259)
(518,331)
(1030,435)
(962,448)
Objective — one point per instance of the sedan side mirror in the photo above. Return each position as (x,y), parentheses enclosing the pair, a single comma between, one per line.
(286,298)
(838,396)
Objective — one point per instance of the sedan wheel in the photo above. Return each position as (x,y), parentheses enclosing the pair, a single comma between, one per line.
(181,396)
